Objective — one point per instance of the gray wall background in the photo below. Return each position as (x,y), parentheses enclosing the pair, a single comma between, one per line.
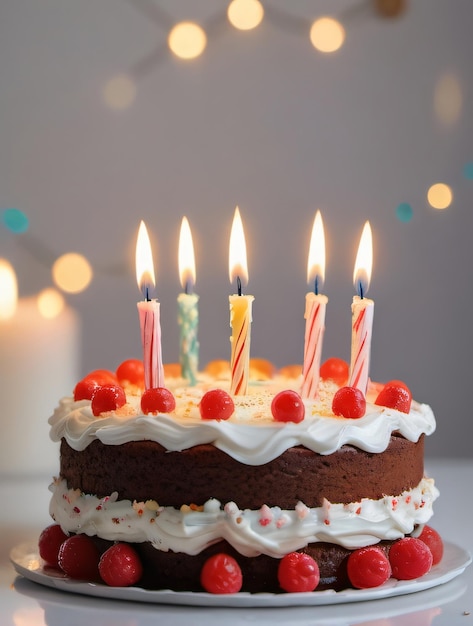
(264,121)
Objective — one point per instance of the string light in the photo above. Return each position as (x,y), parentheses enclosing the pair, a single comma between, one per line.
(245,14)
(439,196)
(187,40)
(72,272)
(327,34)
(50,303)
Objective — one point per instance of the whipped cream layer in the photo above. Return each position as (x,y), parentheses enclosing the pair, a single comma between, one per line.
(251,435)
(269,531)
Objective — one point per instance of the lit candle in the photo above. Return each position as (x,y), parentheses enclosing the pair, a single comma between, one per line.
(188,312)
(315,306)
(240,310)
(148,311)
(362,314)
(39,363)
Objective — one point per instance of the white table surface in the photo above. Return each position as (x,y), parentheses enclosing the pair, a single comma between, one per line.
(24,513)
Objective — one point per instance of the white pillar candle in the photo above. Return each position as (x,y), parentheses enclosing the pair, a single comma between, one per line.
(362,314)
(39,364)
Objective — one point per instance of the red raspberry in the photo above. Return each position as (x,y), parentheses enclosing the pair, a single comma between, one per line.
(368,567)
(157,400)
(120,566)
(287,406)
(395,395)
(298,572)
(216,404)
(431,537)
(131,371)
(79,558)
(221,574)
(349,402)
(336,370)
(107,398)
(410,558)
(49,543)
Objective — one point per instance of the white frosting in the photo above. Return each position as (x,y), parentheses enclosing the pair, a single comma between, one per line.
(270,531)
(251,435)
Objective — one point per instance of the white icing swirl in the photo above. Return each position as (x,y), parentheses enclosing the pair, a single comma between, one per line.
(251,435)
(270,531)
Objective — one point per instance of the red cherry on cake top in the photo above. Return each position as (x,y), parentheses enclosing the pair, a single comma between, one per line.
(336,370)
(216,404)
(102,376)
(349,402)
(107,398)
(131,371)
(157,400)
(395,395)
(288,406)
(298,572)
(221,574)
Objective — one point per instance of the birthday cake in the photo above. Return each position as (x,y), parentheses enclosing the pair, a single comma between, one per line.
(259,492)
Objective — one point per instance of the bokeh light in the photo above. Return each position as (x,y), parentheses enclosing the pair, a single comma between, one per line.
(468,170)
(245,14)
(448,99)
(15,220)
(50,303)
(72,272)
(8,290)
(404,212)
(119,92)
(327,34)
(439,196)
(187,40)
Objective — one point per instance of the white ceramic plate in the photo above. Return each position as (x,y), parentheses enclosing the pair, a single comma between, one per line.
(27,562)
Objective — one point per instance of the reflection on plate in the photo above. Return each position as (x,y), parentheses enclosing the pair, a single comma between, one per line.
(26,561)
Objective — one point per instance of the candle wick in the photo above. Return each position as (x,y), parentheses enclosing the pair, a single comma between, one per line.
(316,286)
(187,287)
(361,290)
(239,285)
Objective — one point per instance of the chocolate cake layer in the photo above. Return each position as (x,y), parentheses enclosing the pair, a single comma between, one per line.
(144,470)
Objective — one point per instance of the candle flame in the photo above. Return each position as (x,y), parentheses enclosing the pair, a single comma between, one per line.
(316,260)
(364,261)
(8,290)
(186,256)
(238,267)
(144,262)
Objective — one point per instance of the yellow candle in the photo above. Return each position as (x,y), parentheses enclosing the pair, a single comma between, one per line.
(240,310)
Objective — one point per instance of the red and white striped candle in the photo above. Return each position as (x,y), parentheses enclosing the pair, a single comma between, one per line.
(315,307)
(149,313)
(240,311)
(362,314)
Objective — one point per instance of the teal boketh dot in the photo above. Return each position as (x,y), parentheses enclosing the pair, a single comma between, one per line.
(15,220)
(468,170)
(404,212)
